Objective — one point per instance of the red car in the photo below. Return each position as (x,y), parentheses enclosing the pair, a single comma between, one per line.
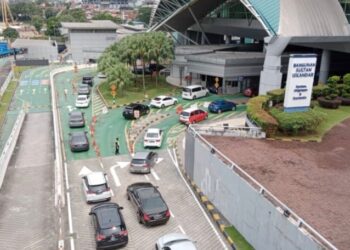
(193,115)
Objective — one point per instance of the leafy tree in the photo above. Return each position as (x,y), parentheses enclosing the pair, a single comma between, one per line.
(53,25)
(50,12)
(106,16)
(144,14)
(25,11)
(73,15)
(37,22)
(119,75)
(10,33)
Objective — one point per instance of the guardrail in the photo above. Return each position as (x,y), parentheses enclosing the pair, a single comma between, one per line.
(246,132)
(10,146)
(6,83)
(292,216)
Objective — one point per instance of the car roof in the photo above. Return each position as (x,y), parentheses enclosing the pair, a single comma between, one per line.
(177,241)
(85,96)
(106,215)
(190,109)
(193,86)
(96,178)
(78,133)
(83,86)
(152,130)
(147,192)
(162,96)
(141,155)
(76,113)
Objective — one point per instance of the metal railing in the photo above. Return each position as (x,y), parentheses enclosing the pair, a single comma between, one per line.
(292,216)
(10,145)
(246,132)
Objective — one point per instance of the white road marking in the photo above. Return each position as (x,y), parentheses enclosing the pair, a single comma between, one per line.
(155,175)
(101,164)
(112,193)
(115,176)
(146,176)
(181,229)
(159,160)
(33,91)
(183,143)
(171,214)
(123,164)
(84,171)
(173,158)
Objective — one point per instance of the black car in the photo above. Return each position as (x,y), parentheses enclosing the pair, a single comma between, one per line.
(89,80)
(150,206)
(78,141)
(83,89)
(110,228)
(76,119)
(135,110)
(142,162)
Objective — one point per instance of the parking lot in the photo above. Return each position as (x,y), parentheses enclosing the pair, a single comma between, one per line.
(186,215)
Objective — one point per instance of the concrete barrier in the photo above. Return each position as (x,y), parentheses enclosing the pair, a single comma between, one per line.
(10,146)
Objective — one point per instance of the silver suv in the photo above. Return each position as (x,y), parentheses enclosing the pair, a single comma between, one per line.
(142,162)
(96,188)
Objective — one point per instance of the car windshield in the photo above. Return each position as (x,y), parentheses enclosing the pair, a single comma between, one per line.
(78,139)
(87,78)
(128,108)
(81,98)
(185,113)
(138,161)
(76,117)
(153,204)
(186,90)
(109,218)
(157,99)
(98,188)
(152,135)
(83,87)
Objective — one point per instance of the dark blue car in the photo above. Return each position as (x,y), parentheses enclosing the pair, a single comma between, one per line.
(219,106)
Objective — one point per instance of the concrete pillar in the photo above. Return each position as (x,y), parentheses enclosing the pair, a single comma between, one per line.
(271,76)
(324,67)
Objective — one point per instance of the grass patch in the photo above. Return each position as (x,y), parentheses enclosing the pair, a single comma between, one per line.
(332,118)
(6,100)
(238,239)
(134,92)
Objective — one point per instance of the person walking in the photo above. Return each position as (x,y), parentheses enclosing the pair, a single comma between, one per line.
(116,145)
(65,94)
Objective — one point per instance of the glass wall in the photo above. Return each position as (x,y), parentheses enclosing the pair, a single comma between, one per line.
(346,6)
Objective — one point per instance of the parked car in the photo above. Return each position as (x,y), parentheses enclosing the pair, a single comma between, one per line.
(153,138)
(149,204)
(194,91)
(213,90)
(83,89)
(78,141)
(165,72)
(163,101)
(89,80)
(82,101)
(76,119)
(219,106)
(175,241)
(101,75)
(193,115)
(135,110)
(96,188)
(142,162)
(109,225)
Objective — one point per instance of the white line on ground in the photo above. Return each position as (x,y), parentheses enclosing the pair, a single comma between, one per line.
(115,176)
(147,178)
(183,143)
(171,214)
(112,193)
(101,164)
(155,175)
(70,221)
(173,158)
(181,229)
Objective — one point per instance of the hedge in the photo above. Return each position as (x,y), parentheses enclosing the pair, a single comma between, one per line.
(298,122)
(256,112)
(276,95)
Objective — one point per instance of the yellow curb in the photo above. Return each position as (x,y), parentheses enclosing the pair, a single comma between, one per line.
(216,216)
(230,240)
(210,207)
(204,198)
(222,227)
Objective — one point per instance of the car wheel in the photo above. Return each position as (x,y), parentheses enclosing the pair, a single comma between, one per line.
(139,217)
(175,102)
(128,196)
(194,97)
(162,106)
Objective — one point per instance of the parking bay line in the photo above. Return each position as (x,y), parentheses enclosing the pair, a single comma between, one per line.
(115,176)
(155,175)
(181,229)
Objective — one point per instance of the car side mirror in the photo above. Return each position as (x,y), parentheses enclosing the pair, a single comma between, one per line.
(91,213)
(156,186)
(121,208)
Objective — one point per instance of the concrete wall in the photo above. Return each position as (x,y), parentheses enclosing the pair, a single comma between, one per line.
(85,45)
(49,52)
(259,221)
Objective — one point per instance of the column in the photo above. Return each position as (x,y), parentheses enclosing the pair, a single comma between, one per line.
(324,67)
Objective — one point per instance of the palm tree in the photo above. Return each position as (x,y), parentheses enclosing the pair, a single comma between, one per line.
(119,76)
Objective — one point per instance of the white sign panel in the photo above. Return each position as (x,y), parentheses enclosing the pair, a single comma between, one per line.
(300,79)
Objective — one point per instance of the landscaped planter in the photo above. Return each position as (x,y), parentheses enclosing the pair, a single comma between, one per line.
(329,104)
(345,101)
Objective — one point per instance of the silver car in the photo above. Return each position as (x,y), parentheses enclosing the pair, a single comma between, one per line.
(175,241)
(142,162)
(96,188)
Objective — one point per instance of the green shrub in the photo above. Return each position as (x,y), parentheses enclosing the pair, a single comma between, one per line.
(298,122)
(346,79)
(256,111)
(318,90)
(276,95)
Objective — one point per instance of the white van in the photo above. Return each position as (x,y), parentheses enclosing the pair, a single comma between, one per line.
(194,91)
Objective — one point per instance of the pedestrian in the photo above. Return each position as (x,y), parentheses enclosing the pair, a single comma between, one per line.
(116,145)
(65,93)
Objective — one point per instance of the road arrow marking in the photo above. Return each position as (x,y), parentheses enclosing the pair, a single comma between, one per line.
(159,160)
(123,164)
(84,171)
(115,176)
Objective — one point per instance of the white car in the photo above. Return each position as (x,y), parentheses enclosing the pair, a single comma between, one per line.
(163,101)
(153,138)
(175,241)
(82,101)
(96,188)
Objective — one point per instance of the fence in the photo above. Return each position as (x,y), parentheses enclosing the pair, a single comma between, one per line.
(263,220)
(10,146)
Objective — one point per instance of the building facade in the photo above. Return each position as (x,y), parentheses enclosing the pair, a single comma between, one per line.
(86,41)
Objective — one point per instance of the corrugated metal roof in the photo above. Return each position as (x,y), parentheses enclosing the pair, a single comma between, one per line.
(94,24)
